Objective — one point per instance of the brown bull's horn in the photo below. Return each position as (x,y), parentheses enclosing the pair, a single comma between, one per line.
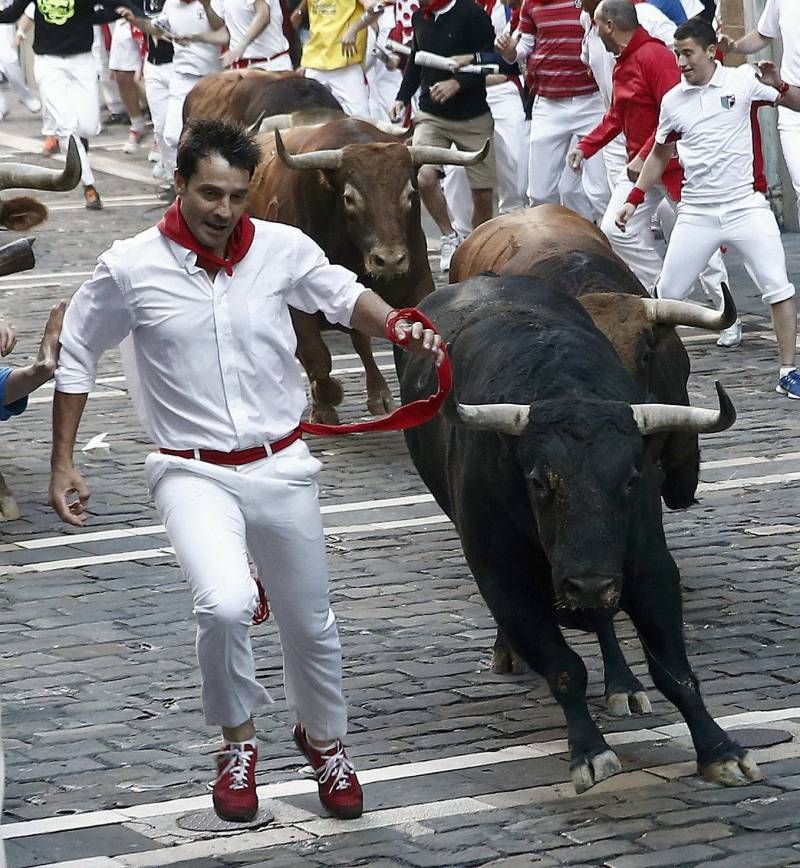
(275,122)
(424,155)
(654,418)
(311,160)
(384,126)
(255,127)
(22,176)
(665,311)
(506,418)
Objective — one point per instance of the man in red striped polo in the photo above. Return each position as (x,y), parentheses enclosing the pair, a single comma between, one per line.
(567,101)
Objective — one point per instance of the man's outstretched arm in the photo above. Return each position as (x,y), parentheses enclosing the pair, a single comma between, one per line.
(65,481)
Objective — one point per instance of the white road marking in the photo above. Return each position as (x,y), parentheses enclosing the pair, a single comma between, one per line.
(38,275)
(411,813)
(331,509)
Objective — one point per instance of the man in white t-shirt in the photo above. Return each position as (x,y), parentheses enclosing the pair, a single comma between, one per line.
(708,115)
(252,31)
(781,19)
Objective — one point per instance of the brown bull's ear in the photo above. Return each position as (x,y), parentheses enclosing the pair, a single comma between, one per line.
(22,213)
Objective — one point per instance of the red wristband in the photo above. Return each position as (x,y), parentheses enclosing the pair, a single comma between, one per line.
(635,197)
(783,87)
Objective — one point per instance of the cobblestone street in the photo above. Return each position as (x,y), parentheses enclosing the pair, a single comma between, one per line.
(107,754)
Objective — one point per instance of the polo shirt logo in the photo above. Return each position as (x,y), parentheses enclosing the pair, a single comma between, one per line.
(728,102)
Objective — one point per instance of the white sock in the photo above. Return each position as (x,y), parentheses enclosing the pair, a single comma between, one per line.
(240,745)
(138,124)
(785,371)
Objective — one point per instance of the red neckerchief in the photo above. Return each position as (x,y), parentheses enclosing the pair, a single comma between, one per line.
(432,7)
(173,226)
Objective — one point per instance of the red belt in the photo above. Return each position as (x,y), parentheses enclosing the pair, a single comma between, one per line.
(241,456)
(244,62)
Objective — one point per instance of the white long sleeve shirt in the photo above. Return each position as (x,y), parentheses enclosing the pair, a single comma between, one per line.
(211,364)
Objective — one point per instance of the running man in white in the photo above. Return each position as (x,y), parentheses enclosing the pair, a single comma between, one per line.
(780,19)
(125,63)
(708,115)
(203,301)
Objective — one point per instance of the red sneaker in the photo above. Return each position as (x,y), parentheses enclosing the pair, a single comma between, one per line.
(339,789)
(234,791)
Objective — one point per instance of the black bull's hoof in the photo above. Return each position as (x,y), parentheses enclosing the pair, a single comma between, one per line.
(586,771)
(736,768)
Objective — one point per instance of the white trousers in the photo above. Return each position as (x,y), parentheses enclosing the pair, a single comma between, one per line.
(636,247)
(156,88)
(68,91)
(179,86)
(214,516)
(348,85)
(789,130)
(554,124)
(108,87)
(10,67)
(747,224)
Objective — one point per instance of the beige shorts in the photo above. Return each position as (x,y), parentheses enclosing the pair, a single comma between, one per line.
(469,135)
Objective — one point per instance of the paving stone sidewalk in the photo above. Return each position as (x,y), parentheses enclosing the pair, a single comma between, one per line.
(100,688)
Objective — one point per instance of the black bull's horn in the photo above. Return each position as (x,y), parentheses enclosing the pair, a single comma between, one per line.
(20,175)
(649,418)
(17,256)
(420,155)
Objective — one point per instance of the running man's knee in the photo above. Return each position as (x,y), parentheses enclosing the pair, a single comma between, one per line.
(221,609)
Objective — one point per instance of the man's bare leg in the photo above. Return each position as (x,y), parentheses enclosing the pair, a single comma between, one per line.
(432,196)
(482,207)
(784,323)
(237,734)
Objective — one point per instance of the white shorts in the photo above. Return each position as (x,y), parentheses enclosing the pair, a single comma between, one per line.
(124,55)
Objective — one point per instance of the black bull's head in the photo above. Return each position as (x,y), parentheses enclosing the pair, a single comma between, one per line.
(589,476)
(375,185)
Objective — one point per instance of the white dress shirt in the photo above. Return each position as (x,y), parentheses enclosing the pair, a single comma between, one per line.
(212,364)
(714,133)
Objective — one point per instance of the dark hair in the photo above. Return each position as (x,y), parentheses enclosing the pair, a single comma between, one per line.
(202,137)
(698,29)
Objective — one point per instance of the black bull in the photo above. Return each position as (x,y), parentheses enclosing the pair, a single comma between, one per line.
(560,522)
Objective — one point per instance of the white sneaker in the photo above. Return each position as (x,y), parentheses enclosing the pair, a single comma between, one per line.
(159,172)
(449,245)
(731,336)
(154,156)
(134,140)
(32,105)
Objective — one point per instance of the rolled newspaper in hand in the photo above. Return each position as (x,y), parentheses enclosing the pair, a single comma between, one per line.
(436,61)
(397,47)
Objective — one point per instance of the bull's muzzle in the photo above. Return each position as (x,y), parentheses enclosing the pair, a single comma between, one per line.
(589,592)
(387,261)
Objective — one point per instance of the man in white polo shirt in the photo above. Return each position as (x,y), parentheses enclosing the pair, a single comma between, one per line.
(708,115)
(780,19)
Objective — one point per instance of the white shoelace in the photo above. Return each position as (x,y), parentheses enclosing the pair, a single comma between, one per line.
(237,766)
(337,769)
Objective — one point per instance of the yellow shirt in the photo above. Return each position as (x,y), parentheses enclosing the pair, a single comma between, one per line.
(328,21)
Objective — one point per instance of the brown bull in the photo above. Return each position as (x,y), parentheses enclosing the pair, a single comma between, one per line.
(353,189)
(570,254)
(245,95)
(22,213)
